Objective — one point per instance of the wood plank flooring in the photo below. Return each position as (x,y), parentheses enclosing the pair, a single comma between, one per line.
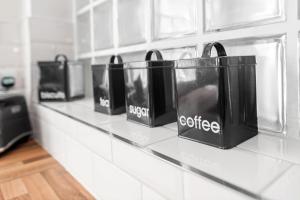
(27,172)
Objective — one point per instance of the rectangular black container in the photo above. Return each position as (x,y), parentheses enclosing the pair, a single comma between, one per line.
(108,85)
(14,120)
(216,98)
(60,80)
(149,91)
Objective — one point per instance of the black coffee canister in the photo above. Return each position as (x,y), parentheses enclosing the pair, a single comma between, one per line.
(108,85)
(149,91)
(60,80)
(216,98)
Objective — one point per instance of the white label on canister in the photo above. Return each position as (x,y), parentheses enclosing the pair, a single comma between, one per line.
(52,95)
(139,111)
(104,102)
(198,123)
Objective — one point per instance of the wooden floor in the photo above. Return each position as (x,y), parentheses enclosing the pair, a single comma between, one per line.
(29,173)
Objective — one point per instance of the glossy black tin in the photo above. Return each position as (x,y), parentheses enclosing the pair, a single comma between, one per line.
(216,98)
(60,80)
(108,85)
(149,91)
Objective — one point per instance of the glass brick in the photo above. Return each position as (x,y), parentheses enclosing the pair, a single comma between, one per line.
(134,56)
(83,33)
(131,21)
(270,69)
(81,3)
(103,27)
(229,14)
(102,60)
(173,18)
(179,53)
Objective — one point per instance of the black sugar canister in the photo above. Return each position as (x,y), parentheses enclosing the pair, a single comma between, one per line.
(216,98)
(150,91)
(108,87)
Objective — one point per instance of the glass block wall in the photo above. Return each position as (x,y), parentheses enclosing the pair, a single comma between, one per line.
(268,29)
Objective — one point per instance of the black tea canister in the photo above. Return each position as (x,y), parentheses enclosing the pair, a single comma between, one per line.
(108,87)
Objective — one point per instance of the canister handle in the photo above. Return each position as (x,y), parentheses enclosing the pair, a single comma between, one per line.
(157,53)
(218,46)
(58,56)
(113,58)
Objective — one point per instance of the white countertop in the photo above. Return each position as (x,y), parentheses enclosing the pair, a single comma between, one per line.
(264,167)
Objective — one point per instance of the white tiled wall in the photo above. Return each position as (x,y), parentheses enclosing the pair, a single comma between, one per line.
(152,171)
(266,29)
(11,42)
(202,188)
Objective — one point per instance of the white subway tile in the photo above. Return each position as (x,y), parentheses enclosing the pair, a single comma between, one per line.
(149,194)
(48,51)
(10,33)
(12,10)
(80,162)
(11,56)
(42,52)
(113,184)
(56,140)
(51,31)
(55,9)
(95,140)
(197,187)
(163,177)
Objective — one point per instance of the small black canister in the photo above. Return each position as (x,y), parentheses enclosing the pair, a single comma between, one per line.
(216,98)
(60,80)
(108,84)
(149,91)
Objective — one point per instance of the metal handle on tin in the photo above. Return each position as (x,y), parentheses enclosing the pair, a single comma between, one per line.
(58,56)
(218,46)
(113,58)
(157,53)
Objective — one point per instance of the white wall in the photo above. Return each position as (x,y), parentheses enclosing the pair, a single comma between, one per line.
(11,41)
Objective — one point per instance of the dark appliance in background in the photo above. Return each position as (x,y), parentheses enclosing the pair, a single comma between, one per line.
(60,80)
(14,119)
(108,87)
(149,91)
(216,98)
